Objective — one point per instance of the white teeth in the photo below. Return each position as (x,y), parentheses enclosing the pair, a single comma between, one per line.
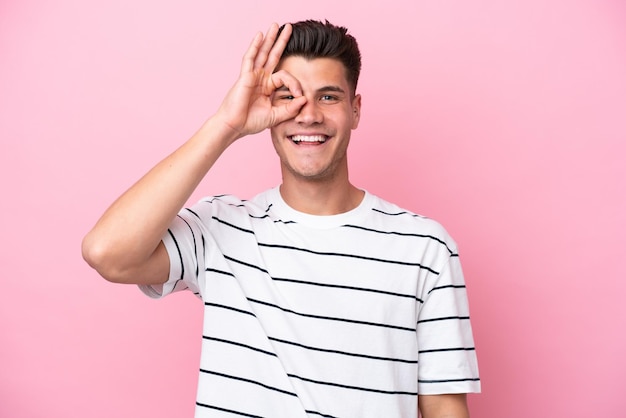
(306,138)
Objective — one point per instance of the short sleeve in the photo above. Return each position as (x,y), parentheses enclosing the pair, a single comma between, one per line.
(447,356)
(185,242)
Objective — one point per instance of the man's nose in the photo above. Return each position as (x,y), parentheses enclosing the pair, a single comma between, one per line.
(310,113)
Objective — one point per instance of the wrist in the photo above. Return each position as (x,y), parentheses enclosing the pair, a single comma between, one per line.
(220,131)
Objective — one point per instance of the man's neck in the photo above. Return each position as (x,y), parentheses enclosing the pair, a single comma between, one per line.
(320,198)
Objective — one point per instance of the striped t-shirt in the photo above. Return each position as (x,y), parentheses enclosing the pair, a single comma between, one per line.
(349,315)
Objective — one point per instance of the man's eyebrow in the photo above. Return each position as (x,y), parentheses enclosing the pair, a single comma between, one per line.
(332,88)
(329,88)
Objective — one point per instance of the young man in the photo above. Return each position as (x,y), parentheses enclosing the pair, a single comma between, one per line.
(320,298)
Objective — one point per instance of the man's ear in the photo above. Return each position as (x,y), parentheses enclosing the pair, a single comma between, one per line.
(356,110)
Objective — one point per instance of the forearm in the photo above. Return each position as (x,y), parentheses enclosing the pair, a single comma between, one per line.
(124,245)
(444,406)
(130,230)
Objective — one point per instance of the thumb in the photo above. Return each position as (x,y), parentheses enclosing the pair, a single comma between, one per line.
(289,110)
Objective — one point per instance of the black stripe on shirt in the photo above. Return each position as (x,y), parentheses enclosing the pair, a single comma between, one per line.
(380,260)
(243,414)
(344,353)
(448,286)
(248,231)
(230,308)
(193,213)
(193,238)
(241,379)
(413,215)
(230,411)
(319,413)
(330,318)
(225,273)
(442,350)
(220,340)
(402,234)
(254,266)
(322,350)
(338,286)
(180,257)
(445,318)
(339,385)
(469,379)
(276,221)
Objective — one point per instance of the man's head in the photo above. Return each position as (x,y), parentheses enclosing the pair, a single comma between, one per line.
(312,39)
(312,146)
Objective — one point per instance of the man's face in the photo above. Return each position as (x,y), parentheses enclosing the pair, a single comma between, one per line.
(312,145)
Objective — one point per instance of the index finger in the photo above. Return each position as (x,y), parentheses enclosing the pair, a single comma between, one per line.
(283,81)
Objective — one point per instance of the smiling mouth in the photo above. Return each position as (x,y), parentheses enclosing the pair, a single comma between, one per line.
(308,139)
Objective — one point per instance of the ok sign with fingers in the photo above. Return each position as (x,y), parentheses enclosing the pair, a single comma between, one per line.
(247,108)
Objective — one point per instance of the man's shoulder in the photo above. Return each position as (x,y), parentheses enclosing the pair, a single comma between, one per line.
(232,201)
(407,221)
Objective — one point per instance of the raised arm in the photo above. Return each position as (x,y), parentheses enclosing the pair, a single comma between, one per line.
(125,244)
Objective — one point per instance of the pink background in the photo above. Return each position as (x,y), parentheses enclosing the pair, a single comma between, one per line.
(504,120)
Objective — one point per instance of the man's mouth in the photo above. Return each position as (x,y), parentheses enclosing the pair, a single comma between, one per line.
(308,139)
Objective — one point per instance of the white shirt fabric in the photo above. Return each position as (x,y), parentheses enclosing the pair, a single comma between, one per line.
(349,315)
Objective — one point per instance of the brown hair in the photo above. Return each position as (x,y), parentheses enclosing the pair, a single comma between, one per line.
(315,39)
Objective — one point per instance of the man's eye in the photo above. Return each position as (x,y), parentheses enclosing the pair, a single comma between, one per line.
(328,97)
(289,97)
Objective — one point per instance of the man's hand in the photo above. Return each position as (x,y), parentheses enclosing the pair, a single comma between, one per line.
(247,108)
